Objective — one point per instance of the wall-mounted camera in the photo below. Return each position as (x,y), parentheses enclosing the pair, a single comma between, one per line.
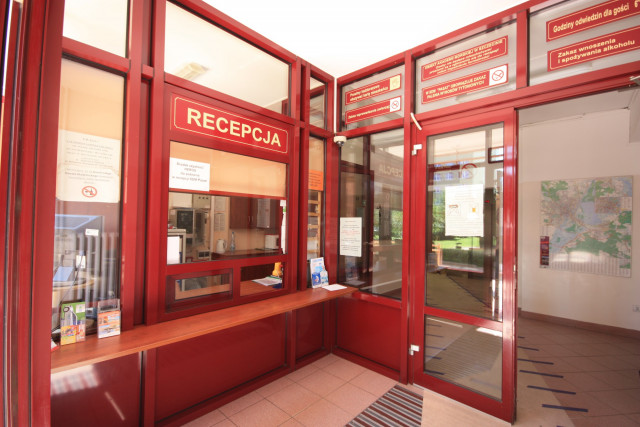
(339,140)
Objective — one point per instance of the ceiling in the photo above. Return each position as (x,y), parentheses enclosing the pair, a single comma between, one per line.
(340,37)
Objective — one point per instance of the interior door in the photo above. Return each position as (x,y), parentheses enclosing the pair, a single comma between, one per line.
(463,261)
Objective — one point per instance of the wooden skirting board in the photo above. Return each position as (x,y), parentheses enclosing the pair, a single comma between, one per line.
(595,327)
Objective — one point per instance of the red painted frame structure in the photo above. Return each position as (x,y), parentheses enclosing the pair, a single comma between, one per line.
(523,96)
(503,408)
(30,182)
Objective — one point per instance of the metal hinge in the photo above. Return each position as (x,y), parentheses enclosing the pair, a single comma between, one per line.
(416,147)
(413,349)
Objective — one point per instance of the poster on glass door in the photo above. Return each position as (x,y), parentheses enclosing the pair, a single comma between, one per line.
(88,168)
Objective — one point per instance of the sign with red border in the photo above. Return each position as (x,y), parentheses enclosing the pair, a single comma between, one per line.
(469,83)
(467,58)
(592,49)
(591,17)
(373,89)
(193,117)
(374,110)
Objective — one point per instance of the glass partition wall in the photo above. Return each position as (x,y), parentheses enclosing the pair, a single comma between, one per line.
(371,213)
(88,203)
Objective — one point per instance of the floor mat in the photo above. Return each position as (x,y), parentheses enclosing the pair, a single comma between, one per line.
(398,407)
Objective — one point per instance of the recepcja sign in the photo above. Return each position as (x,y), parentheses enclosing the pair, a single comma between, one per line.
(194,117)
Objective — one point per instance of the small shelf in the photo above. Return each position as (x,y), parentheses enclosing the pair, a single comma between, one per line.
(142,338)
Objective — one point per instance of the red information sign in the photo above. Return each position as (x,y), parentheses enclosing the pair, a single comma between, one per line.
(467,58)
(590,17)
(193,117)
(596,48)
(470,83)
(374,110)
(373,89)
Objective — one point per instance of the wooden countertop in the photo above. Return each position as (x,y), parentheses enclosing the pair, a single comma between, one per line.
(143,337)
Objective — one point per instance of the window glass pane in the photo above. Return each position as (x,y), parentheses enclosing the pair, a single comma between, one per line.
(259,279)
(374,99)
(474,68)
(87,222)
(90,22)
(465,355)
(315,202)
(372,195)
(199,51)
(317,103)
(199,286)
(464,221)
(575,37)
(240,212)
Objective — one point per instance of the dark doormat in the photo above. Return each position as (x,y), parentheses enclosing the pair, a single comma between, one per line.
(398,407)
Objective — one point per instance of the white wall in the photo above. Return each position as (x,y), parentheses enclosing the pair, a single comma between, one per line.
(589,146)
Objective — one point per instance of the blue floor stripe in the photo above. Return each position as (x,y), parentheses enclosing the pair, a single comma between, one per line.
(536,361)
(566,408)
(528,348)
(434,335)
(433,346)
(555,390)
(429,371)
(541,373)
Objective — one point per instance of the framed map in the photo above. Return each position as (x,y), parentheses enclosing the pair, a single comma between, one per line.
(587,224)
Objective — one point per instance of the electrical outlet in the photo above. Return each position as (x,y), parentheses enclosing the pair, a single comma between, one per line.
(635,308)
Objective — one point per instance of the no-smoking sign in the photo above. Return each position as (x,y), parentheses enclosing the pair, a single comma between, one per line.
(89,191)
(395,104)
(498,75)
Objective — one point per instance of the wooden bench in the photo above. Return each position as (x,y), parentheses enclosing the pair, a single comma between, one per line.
(143,337)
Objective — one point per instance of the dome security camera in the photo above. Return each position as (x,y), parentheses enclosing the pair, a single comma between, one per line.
(339,140)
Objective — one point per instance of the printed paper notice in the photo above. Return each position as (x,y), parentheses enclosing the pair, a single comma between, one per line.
(351,237)
(88,168)
(464,210)
(188,175)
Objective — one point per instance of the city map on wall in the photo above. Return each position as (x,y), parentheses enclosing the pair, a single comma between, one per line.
(586,225)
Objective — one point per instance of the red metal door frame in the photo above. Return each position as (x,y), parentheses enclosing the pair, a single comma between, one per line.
(504,409)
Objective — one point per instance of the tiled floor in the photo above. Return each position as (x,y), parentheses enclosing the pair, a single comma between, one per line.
(595,374)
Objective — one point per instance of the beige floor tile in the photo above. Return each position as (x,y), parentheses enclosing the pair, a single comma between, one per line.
(351,398)
(325,361)
(549,350)
(619,379)
(344,369)
(634,417)
(624,401)
(208,420)
(225,423)
(291,422)
(293,399)
(275,386)
(321,382)
(373,382)
(586,381)
(323,414)
(440,411)
(238,405)
(581,400)
(262,414)
(594,349)
(608,421)
(587,364)
(302,372)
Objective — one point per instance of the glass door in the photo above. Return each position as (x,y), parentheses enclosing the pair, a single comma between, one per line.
(463,288)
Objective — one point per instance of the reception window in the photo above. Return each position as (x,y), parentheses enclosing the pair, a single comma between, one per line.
(226,226)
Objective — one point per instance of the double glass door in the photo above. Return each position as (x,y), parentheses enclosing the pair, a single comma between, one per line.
(463,321)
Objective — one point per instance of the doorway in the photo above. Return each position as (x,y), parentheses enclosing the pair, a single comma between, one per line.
(463,291)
